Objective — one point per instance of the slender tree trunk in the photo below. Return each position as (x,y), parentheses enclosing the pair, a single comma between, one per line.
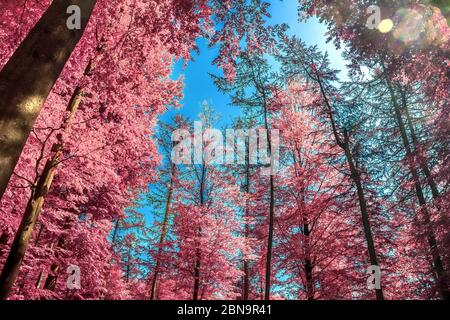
(38,236)
(114,235)
(423,164)
(50,282)
(246,289)
(52,278)
(431,237)
(271,212)
(197,273)
(269,242)
(198,253)
(128,269)
(306,231)
(308,266)
(29,75)
(162,238)
(356,178)
(34,207)
(39,280)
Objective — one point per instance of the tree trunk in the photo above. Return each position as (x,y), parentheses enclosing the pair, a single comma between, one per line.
(50,282)
(3,242)
(431,237)
(52,278)
(38,236)
(271,213)
(34,207)
(356,178)
(128,269)
(423,164)
(246,289)
(29,75)
(114,235)
(162,239)
(270,242)
(197,274)
(39,280)
(198,253)
(308,266)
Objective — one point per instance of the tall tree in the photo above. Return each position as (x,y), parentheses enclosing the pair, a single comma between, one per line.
(252,89)
(160,198)
(317,246)
(298,60)
(30,74)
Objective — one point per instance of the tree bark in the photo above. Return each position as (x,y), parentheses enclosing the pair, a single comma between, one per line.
(246,283)
(308,265)
(431,237)
(271,210)
(52,278)
(197,273)
(356,178)
(423,164)
(198,252)
(162,239)
(39,280)
(34,207)
(29,75)
(270,241)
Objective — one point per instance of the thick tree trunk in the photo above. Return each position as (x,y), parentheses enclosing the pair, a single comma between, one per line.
(162,238)
(34,207)
(29,75)
(23,235)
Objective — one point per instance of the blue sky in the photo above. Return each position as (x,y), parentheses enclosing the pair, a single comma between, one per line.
(199,85)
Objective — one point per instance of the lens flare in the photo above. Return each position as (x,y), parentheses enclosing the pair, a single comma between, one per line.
(421,25)
(386,26)
(411,25)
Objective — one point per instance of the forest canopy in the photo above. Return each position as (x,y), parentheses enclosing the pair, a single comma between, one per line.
(331,181)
